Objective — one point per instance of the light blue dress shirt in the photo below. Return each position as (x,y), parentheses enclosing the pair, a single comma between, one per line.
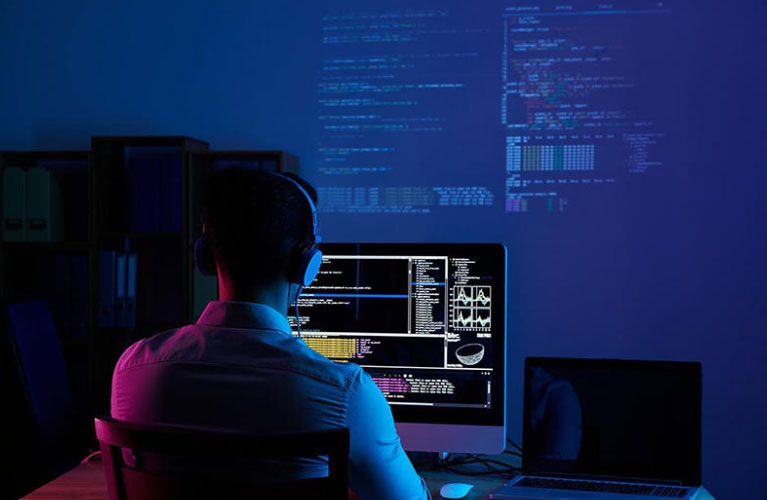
(239,368)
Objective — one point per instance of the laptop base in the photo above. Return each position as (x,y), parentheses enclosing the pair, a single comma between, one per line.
(518,489)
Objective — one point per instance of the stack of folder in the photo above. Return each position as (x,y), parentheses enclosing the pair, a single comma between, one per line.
(31,205)
(117,289)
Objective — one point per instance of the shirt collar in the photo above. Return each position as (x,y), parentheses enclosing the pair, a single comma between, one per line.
(248,315)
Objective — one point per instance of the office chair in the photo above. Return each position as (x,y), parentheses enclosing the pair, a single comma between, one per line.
(43,372)
(126,482)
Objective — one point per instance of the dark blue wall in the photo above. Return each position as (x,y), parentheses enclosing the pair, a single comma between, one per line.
(671,266)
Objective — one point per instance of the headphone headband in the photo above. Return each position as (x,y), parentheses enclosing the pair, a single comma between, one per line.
(310,258)
(316,238)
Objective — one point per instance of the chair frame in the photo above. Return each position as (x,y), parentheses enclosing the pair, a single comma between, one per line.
(114,435)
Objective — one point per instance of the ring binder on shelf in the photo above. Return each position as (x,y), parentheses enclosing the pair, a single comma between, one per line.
(14,204)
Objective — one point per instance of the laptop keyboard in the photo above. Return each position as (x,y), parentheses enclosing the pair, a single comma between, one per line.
(603,487)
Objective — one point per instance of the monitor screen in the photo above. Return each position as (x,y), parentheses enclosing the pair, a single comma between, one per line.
(630,419)
(426,321)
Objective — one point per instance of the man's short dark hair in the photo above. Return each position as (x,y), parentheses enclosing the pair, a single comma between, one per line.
(255,220)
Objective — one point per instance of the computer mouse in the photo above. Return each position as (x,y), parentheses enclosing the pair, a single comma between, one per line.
(455,490)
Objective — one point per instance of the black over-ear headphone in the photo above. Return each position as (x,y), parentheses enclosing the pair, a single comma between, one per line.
(309,255)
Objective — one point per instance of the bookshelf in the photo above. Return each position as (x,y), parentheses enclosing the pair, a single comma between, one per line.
(38,269)
(42,267)
(141,195)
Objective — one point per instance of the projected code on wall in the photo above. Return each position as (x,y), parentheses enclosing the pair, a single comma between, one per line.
(388,87)
(409,122)
(575,104)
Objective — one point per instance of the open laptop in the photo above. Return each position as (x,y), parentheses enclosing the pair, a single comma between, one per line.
(609,429)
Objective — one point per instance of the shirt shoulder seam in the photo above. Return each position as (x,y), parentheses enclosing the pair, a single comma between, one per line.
(243,365)
(348,394)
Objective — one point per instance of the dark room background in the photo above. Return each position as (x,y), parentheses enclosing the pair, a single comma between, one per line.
(635,228)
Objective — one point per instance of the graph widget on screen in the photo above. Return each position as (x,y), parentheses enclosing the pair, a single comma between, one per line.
(418,318)
(471,308)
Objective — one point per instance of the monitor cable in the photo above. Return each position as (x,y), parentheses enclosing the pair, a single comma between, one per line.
(298,318)
(517,451)
(467,464)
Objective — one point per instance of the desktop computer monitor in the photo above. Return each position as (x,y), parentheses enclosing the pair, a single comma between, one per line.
(428,323)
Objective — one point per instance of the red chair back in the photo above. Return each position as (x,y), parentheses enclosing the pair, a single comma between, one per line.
(126,482)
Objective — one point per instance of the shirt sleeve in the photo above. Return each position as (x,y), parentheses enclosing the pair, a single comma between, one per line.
(120,398)
(379,469)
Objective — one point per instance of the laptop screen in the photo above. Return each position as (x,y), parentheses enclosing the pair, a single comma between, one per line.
(614,418)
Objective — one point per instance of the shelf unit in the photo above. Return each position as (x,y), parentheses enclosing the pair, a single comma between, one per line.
(31,270)
(27,267)
(136,181)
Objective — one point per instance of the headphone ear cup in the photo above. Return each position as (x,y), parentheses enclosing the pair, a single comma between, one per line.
(203,258)
(307,265)
(313,261)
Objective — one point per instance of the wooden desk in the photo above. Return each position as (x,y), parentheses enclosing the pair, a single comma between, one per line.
(483,485)
(86,482)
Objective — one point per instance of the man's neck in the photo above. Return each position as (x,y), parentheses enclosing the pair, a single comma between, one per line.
(274,295)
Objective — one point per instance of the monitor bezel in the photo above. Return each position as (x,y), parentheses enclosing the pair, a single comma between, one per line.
(690,367)
(495,415)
